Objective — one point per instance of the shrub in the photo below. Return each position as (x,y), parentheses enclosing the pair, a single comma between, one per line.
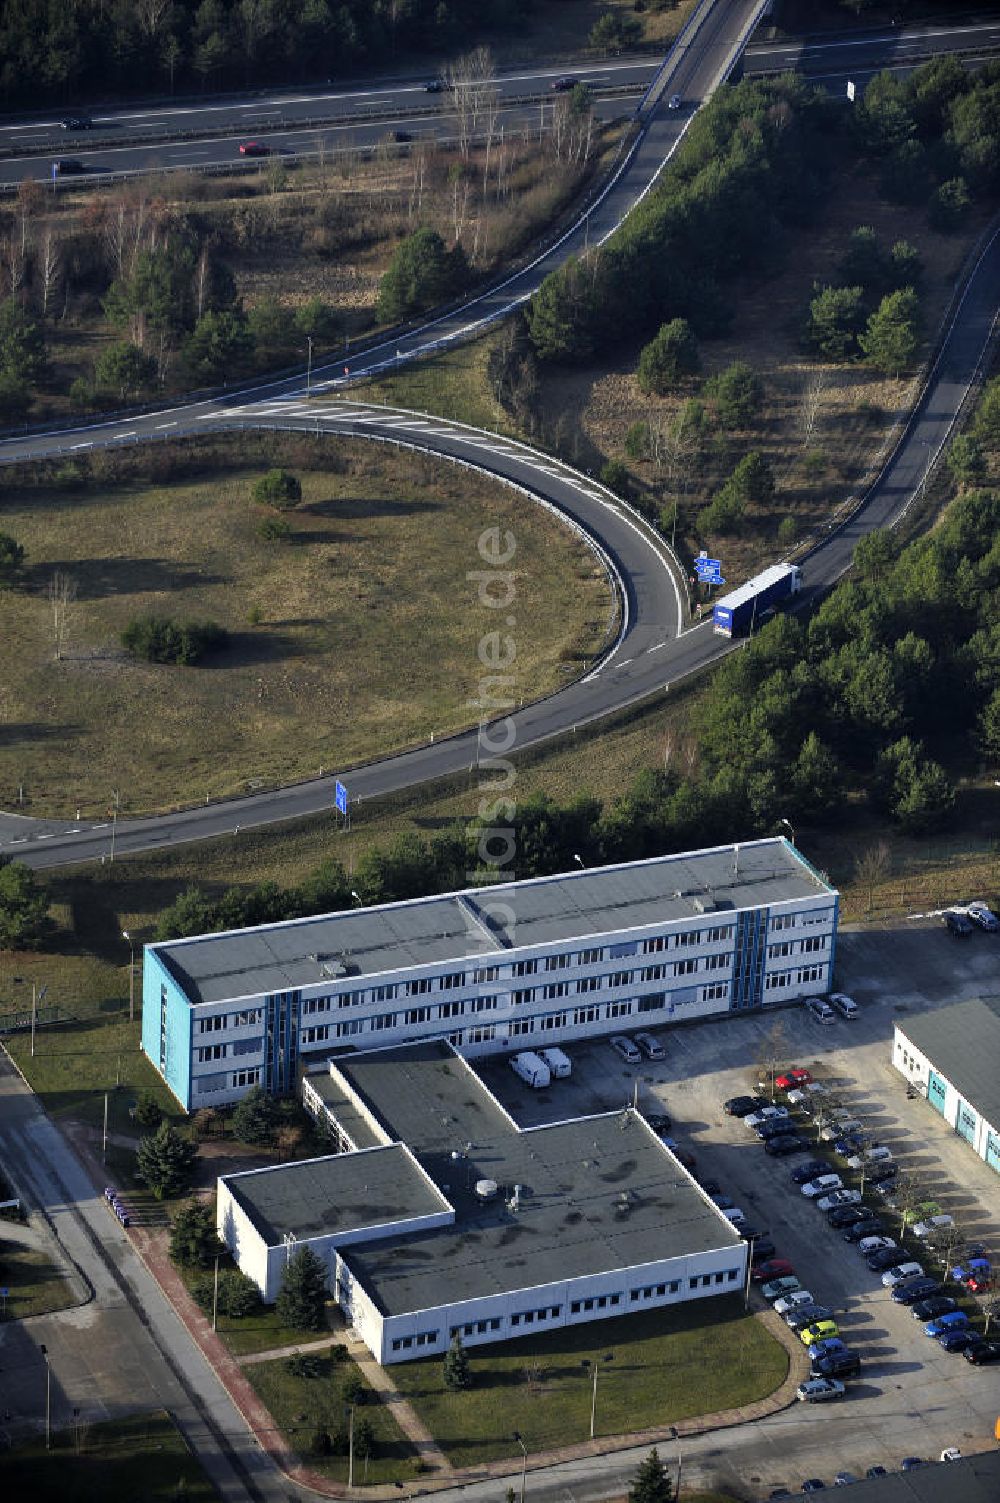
(950,205)
(738,392)
(11,558)
(637,441)
(788,531)
(302,1365)
(669,356)
(147,1111)
(274,529)
(238,1295)
(616,477)
(278,488)
(160,639)
(421,273)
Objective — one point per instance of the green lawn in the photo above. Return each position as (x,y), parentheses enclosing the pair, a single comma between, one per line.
(139,1460)
(34,1285)
(668,1365)
(260,1332)
(301,1406)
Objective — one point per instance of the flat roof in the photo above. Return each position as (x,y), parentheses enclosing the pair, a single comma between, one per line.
(320,1197)
(597,1193)
(477,923)
(333,1096)
(962,1042)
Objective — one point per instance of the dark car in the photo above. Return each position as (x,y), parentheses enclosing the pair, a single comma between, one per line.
(910,1463)
(805,1172)
(774,1127)
(981,1352)
(870,1226)
(806,1315)
(813,1485)
(659,1121)
(959,924)
(437,86)
(882,1258)
(933,1306)
(783,1144)
(742,1106)
(846,1148)
(710,1186)
(724,1202)
(749,1233)
(912,1290)
(568,81)
(77,122)
(881,1174)
(763,1246)
(876,1471)
(845,1364)
(66,166)
(958,1341)
(850,1216)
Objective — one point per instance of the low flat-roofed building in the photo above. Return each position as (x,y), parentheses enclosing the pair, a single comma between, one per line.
(539,1228)
(951,1055)
(508,967)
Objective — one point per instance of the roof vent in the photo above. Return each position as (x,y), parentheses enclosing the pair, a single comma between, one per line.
(486,1189)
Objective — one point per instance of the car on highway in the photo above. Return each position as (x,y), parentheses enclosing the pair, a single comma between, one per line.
(674,102)
(790,1079)
(983,917)
(952,1320)
(67,167)
(794,1301)
(742,1106)
(561,85)
(958,924)
(436,86)
(933,1306)
(818,1331)
(806,1315)
(766,1114)
(898,1273)
(254,149)
(933,1225)
(771,1268)
(773,1289)
(650,1046)
(784,1144)
(823,1184)
(804,1172)
(845,1217)
(868,1226)
(910,1290)
(816,1390)
(77,122)
(838,1198)
(623,1045)
(981,1352)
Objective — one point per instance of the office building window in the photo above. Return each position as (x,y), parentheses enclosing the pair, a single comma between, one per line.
(590,957)
(417,1015)
(212,1051)
(483,1004)
(586,1015)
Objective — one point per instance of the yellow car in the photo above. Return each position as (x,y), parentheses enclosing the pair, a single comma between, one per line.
(819,1331)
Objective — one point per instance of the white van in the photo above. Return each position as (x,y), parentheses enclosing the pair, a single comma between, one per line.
(560,1065)
(845,1005)
(532,1069)
(820,1010)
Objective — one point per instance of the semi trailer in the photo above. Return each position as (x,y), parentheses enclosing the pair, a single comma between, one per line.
(741,611)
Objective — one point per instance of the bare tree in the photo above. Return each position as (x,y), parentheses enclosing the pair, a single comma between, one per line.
(62,593)
(201,280)
(470,78)
(812,399)
(48,268)
(870,868)
(29,203)
(771,1049)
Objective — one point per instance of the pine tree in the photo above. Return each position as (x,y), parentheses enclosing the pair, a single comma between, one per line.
(255,1117)
(301,1303)
(194,1241)
(456,1365)
(164,1161)
(651,1485)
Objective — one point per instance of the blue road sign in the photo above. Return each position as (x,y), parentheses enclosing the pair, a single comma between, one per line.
(341,795)
(705,565)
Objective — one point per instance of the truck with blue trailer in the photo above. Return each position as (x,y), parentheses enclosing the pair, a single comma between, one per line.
(741,611)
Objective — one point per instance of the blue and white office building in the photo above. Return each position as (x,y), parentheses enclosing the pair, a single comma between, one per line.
(491,969)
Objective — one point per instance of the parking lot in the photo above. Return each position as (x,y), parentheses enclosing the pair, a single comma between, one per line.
(912,1396)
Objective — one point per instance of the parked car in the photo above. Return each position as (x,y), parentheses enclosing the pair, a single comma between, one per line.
(804,1172)
(763,1245)
(773,1289)
(826,1347)
(838,1198)
(868,1226)
(845,1005)
(958,924)
(873,1242)
(950,1453)
(819,1010)
(933,1225)
(981,1352)
(983,917)
(883,1174)
(952,1320)
(848,1216)
(868,1157)
(847,1146)
(910,1290)
(784,1144)
(818,1331)
(971,1267)
(742,1106)
(958,1341)
(842,1364)
(254,149)
(795,1076)
(910,1463)
(822,1185)
(837,1127)
(774,1127)
(624,1046)
(816,1390)
(650,1046)
(883,1258)
(661,1123)
(932,1307)
(898,1273)
(813,1485)
(794,1301)
(771,1268)
(844,1479)
(876,1471)
(806,1315)
(766,1114)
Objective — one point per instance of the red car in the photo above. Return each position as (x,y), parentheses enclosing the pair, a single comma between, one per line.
(254,149)
(792,1079)
(772,1268)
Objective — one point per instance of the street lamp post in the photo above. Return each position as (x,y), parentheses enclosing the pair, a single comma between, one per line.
(789,827)
(309,364)
(594,1366)
(114,822)
(48,1398)
(524,1462)
(580,862)
(215,1296)
(131,975)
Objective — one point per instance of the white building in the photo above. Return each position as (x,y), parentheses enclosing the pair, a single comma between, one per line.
(509,967)
(445,1216)
(952,1055)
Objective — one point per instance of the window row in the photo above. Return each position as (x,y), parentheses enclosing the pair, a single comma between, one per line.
(717,935)
(778,980)
(812,945)
(422,1338)
(208,1085)
(250,1018)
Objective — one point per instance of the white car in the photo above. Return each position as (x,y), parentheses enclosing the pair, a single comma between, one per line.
(811,1091)
(932,1225)
(766,1114)
(822,1185)
(793,1300)
(624,1046)
(867,1245)
(951,1453)
(839,1198)
(651,1047)
(901,1273)
(839,1127)
(816,1389)
(869,1157)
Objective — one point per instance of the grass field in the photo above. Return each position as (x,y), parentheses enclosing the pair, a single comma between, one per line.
(34,1286)
(143,1460)
(301,1406)
(315,676)
(667,1365)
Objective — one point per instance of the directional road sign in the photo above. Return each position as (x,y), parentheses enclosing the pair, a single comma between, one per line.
(341,794)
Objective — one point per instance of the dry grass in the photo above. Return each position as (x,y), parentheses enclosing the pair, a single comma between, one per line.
(367,639)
